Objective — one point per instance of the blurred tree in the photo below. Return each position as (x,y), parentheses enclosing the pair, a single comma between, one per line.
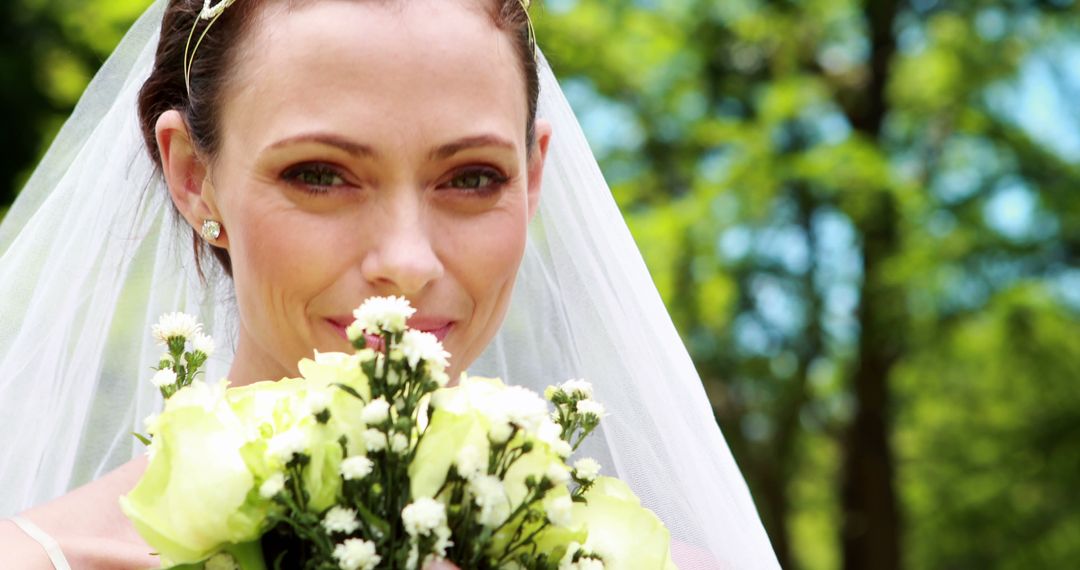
(828,192)
(49,49)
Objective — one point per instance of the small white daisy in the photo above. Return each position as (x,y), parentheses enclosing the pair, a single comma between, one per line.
(173,325)
(340,519)
(356,554)
(273,485)
(356,467)
(164,377)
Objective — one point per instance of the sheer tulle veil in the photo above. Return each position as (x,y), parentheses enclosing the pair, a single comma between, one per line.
(91,254)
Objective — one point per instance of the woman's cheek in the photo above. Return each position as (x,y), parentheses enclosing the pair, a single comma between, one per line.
(283,260)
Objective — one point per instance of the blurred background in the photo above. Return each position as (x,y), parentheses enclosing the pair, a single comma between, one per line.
(864,217)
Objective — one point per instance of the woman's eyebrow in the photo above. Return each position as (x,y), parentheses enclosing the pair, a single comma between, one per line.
(450,149)
(356,149)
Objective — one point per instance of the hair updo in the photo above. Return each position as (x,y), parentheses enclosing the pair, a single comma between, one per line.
(166,89)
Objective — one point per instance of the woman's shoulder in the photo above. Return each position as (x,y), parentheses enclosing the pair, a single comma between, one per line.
(88,526)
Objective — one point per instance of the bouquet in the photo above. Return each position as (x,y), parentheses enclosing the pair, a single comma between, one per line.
(368,460)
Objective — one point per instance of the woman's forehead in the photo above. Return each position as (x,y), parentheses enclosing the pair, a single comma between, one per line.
(422,67)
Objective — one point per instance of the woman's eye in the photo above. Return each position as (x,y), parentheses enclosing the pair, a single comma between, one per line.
(477,179)
(316,176)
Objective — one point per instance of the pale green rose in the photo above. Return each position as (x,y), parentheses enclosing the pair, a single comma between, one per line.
(623,532)
(266,409)
(329,368)
(553,540)
(345,421)
(322,476)
(457,421)
(471,394)
(272,408)
(446,435)
(246,556)
(538,463)
(197,493)
(261,402)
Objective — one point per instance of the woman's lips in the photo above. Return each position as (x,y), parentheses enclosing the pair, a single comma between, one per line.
(437,326)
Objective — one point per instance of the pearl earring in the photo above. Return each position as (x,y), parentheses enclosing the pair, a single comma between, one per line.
(211,230)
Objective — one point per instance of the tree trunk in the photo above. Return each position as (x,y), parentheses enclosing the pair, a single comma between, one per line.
(871,531)
(871,523)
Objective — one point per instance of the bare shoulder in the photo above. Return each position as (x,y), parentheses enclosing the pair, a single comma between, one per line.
(87,523)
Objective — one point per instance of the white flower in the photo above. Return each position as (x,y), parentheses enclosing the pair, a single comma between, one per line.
(440,377)
(151,423)
(559,510)
(587,469)
(356,467)
(578,388)
(379,314)
(523,407)
(174,325)
(356,554)
(272,486)
(399,443)
(375,440)
(490,496)
(590,408)
(558,473)
(551,434)
(283,446)
(340,519)
(164,377)
(423,517)
(423,409)
(317,401)
(203,343)
(221,561)
(585,563)
(376,412)
(567,562)
(354,332)
(426,517)
(470,461)
(393,377)
(562,448)
(500,433)
(418,345)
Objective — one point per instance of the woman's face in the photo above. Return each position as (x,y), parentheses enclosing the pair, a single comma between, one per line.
(373,148)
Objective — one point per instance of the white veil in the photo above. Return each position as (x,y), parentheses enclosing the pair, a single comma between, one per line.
(91,255)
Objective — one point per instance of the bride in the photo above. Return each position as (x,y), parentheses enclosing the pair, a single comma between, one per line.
(318,153)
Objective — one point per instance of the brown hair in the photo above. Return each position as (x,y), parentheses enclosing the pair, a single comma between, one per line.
(166,90)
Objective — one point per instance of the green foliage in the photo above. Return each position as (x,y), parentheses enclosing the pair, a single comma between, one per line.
(820,184)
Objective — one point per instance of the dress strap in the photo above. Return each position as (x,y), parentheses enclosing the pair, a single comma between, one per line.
(52,548)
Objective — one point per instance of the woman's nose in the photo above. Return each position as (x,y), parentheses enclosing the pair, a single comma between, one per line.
(402,259)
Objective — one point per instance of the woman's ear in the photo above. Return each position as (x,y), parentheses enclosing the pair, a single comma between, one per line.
(186,174)
(536,164)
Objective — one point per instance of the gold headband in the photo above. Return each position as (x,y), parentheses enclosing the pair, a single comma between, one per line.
(532,31)
(208,12)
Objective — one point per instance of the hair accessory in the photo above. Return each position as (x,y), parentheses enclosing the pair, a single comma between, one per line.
(532,30)
(211,13)
(211,230)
